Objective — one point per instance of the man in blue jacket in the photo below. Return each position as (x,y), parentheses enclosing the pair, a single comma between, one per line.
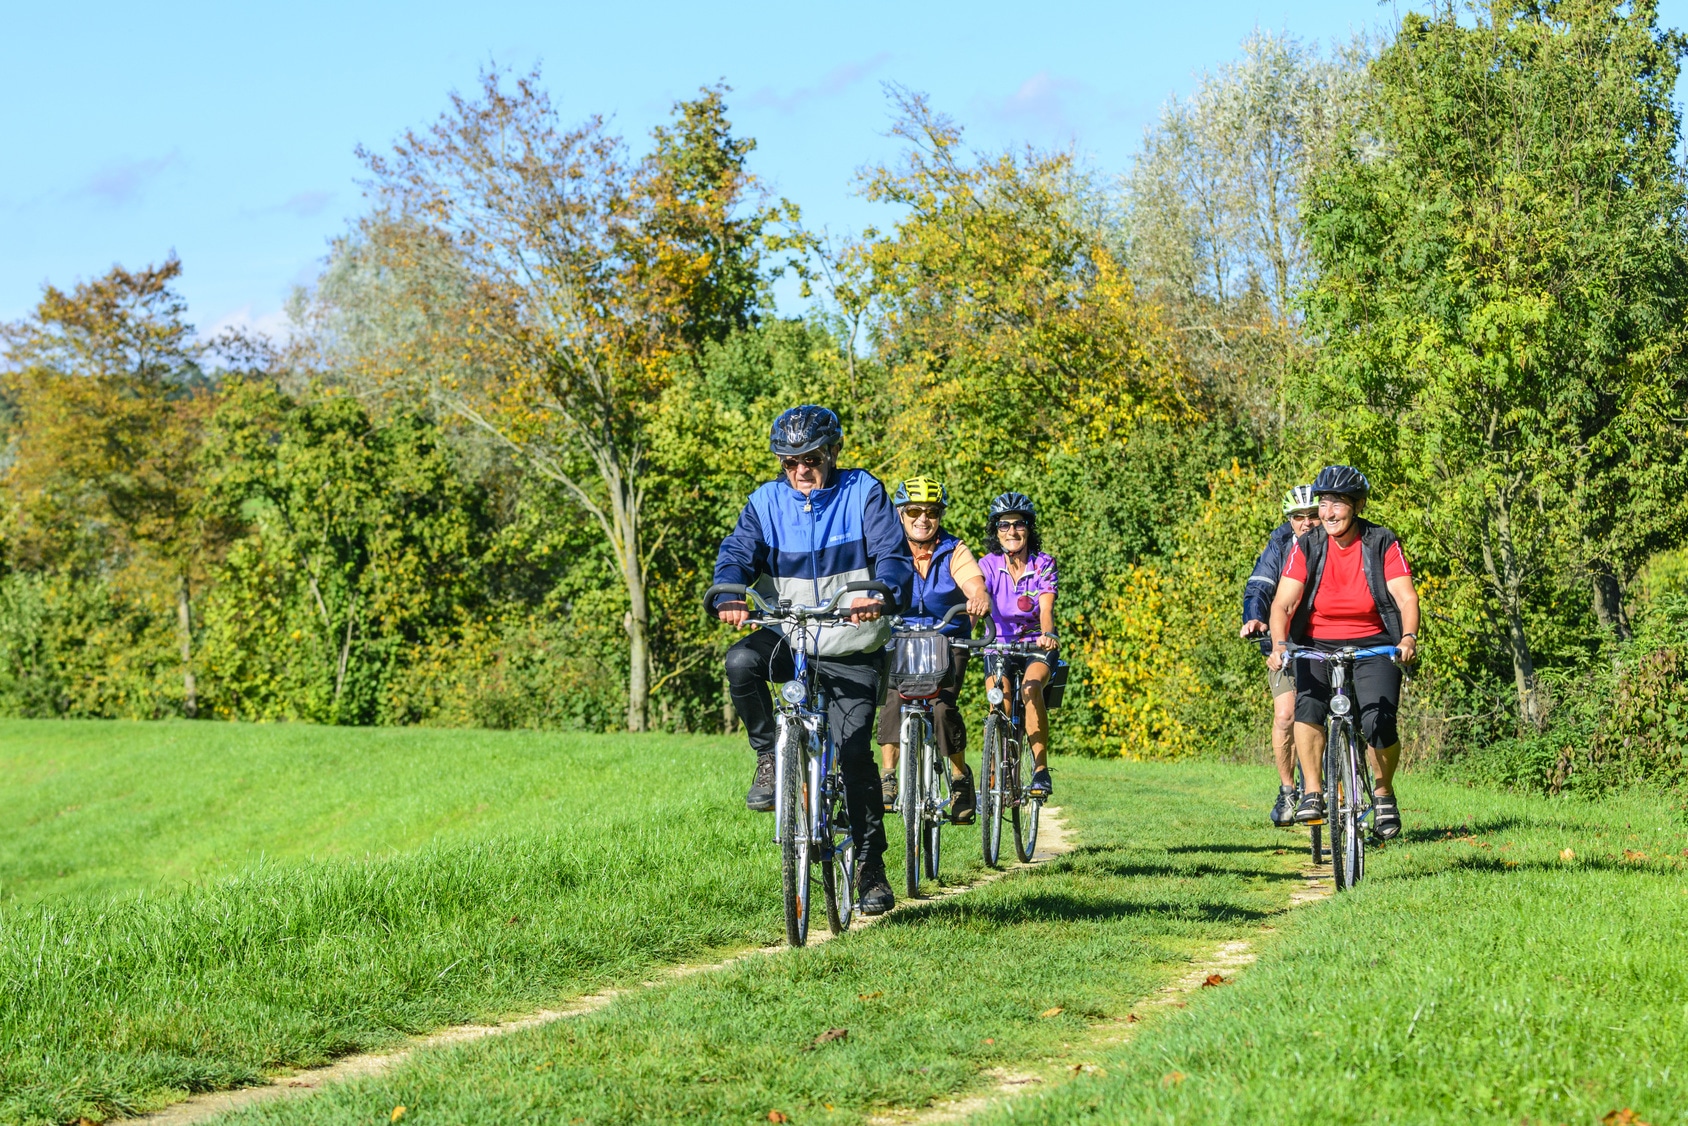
(1301,512)
(801,537)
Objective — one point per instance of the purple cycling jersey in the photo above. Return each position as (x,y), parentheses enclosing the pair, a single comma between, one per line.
(1014,605)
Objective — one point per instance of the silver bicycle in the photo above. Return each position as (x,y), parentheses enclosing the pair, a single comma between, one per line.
(923,788)
(811,823)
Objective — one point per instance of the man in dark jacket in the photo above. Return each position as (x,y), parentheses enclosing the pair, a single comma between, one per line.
(1301,512)
(802,537)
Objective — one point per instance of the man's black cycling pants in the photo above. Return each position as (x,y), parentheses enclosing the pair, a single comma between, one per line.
(851,683)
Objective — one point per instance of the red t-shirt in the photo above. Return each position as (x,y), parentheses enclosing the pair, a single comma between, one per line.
(1343,608)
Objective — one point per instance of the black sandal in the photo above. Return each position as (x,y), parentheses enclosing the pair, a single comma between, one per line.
(1386,817)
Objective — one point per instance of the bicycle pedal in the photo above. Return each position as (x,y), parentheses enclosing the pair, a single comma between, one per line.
(1320,821)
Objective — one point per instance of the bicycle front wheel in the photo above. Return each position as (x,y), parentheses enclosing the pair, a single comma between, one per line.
(990,793)
(1353,829)
(936,805)
(1336,768)
(1026,809)
(794,835)
(910,798)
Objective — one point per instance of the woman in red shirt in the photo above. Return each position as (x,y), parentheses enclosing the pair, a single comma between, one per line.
(1362,595)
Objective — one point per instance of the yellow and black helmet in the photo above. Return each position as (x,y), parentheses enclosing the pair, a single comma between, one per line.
(921,490)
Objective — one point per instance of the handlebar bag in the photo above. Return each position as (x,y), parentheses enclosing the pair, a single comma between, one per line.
(921,664)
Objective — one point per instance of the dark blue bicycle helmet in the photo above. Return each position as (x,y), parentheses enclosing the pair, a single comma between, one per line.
(1343,480)
(804,429)
(1011,502)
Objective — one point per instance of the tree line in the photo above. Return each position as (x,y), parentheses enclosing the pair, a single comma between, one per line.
(483,480)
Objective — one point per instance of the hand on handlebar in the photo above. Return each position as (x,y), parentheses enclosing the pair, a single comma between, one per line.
(1276,659)
(1047,641)
(735,614)
(1254,627)
(866,610)
(1408,647)
(979,605)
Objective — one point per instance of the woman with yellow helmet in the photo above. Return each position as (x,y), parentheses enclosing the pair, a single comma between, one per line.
(946,575)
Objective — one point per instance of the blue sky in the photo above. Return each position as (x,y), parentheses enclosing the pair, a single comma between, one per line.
(226,132)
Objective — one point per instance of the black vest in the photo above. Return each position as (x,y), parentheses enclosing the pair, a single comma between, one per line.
(1375,541)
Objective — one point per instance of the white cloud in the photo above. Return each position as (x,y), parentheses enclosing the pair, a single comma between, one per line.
(833,82)
(122,181)
(273,325)
(1040,102)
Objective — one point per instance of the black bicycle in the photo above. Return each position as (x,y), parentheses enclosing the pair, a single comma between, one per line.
(1350,805)
(1002,790)
(811,824)
(919,670)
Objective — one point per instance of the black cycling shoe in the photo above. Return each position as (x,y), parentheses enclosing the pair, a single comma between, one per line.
(962,804)
(1283,812)
(1041,786)
(873,890)
(1386,817)
(760,797)
(1311,809)
(888,790)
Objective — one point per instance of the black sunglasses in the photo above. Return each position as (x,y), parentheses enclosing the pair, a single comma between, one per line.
(813,461)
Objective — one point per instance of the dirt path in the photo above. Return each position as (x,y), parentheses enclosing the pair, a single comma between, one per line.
(1226,959)
(1052,841)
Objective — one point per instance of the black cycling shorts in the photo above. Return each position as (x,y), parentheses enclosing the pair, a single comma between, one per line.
(1375,690)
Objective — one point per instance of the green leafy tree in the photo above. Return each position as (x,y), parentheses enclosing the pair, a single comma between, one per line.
(1501,276)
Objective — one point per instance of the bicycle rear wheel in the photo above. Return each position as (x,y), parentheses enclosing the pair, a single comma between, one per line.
(936,805)
(990,793)
(838,874)
(794,835)
(911,793)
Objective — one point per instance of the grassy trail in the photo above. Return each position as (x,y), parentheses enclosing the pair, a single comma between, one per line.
(1476,977)
(933,998)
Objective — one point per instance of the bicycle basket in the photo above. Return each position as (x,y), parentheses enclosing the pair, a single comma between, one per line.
(1056,686)
(921,664)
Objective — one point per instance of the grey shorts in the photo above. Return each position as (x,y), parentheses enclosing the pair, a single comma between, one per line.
(1281,681)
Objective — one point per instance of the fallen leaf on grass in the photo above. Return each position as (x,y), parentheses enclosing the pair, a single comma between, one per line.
(398,1113)
(1280,852)
(1133,1018)
(1056,1011)
(829,1036)
(1634,854)
(870,996)
(1624,1117)
(546,1066)
(1511,864)
(776,1116)
(1567,855)
(990,1039)
(1213,979)
(1172,1079)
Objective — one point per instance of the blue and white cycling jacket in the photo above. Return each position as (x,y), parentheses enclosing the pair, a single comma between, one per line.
(804,549)
(1262,585)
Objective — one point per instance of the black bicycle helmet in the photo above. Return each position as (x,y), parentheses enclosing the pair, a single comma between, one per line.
(804,429)
(1011,502)
(1342,479)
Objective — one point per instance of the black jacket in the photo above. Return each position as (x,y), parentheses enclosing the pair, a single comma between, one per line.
(1262,585)
(1375,542)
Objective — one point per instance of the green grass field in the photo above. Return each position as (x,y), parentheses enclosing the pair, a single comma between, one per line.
(237,899)
(189,906)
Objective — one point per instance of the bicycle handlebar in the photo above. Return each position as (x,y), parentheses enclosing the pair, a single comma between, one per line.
(1298,652)
(829,609)
(966,642)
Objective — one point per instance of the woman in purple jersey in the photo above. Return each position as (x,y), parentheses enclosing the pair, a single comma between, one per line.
(1021,580)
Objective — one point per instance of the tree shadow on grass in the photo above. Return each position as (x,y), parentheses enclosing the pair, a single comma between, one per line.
(1429,834)
(1225,848)
(1500,866)
(1101,860)
(1055,906)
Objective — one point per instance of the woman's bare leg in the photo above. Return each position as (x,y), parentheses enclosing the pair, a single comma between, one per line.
(1037,714)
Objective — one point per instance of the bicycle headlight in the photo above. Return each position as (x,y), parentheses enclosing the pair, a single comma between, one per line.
(1341,705)
(995,696)
(794,692)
